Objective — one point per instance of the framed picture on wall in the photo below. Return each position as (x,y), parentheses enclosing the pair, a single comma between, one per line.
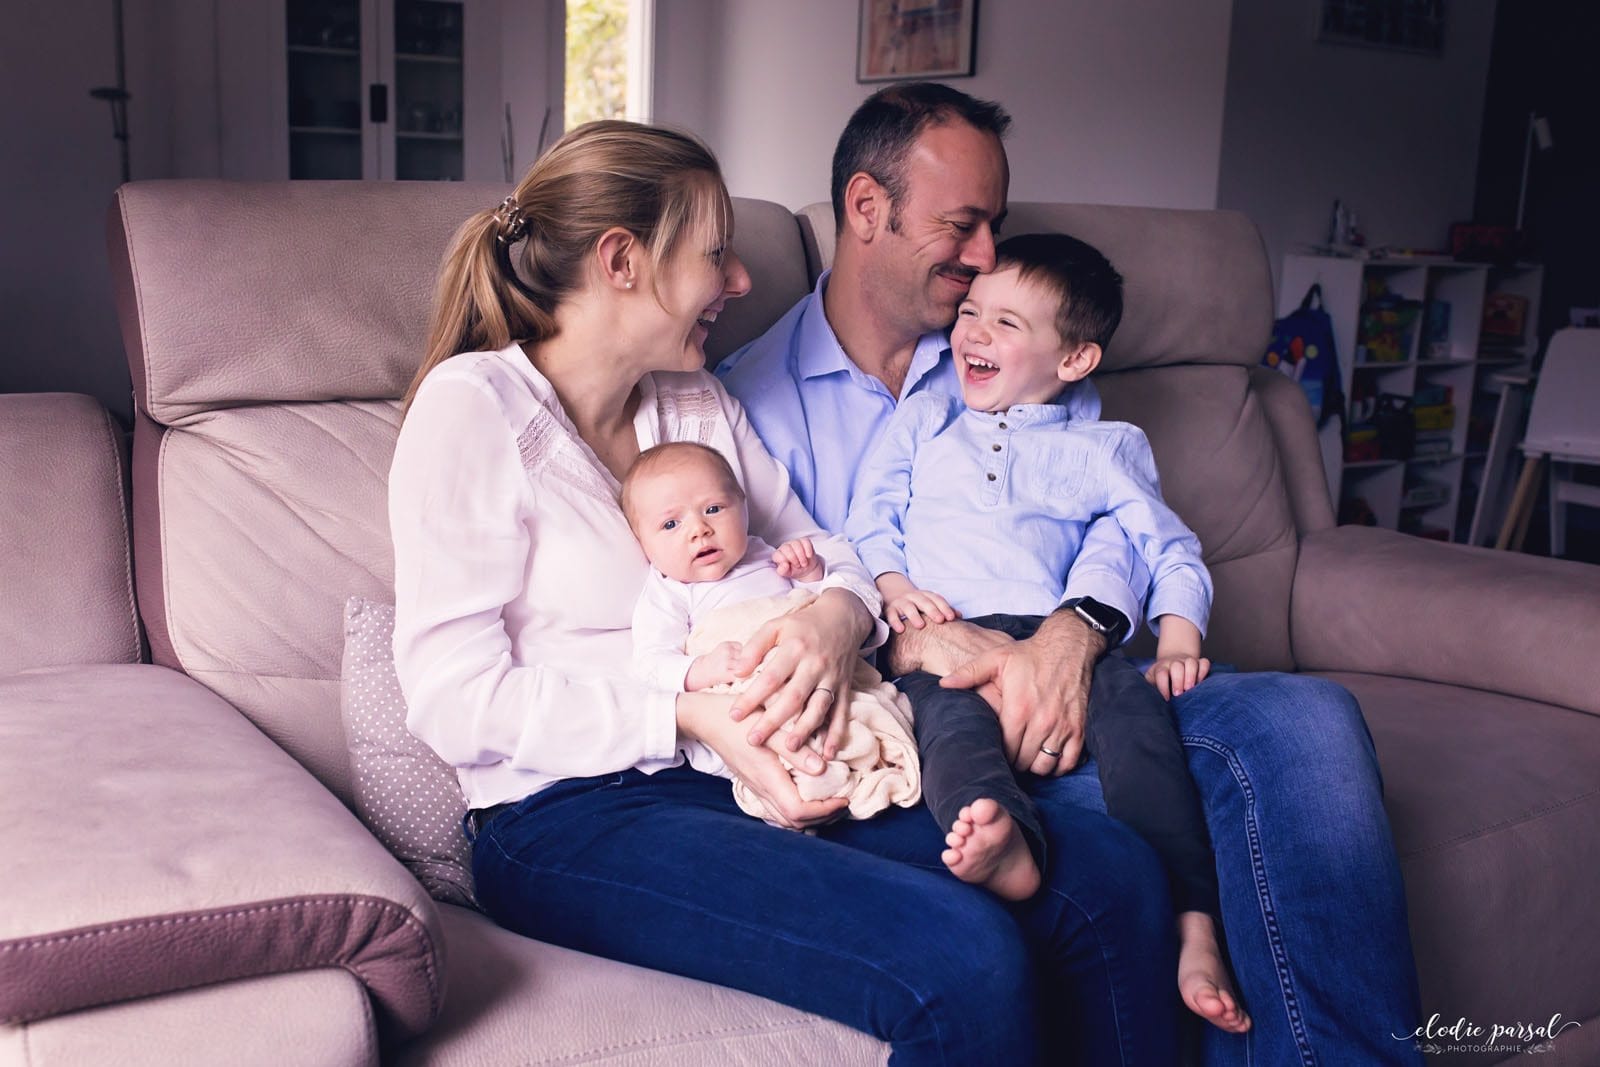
(1401,25)
(916,39)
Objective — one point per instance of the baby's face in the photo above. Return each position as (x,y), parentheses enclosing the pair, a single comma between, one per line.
(1006,347)
(691,525)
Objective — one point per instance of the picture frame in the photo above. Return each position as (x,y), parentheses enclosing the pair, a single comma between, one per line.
(1416,26)
(900,39)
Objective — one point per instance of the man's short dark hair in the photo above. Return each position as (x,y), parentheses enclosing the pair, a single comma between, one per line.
(1080,276)
(879,135)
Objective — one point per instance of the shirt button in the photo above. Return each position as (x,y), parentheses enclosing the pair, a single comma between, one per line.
(989,476)
(1003,426)
(995,447)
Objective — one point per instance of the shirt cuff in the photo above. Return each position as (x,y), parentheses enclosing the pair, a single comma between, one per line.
(1110,590)
(1184,597)
(661,725)
(664,670)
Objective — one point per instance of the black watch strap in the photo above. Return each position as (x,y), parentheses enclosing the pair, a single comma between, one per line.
(1103,619)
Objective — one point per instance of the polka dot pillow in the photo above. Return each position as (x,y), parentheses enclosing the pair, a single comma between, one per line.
(404,792)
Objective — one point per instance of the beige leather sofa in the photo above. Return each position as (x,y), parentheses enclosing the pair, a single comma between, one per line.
(188,883)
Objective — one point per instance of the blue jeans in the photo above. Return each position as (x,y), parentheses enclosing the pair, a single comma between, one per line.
(1312,903)
(859,922)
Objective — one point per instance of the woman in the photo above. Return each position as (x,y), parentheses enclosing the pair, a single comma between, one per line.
(568,335)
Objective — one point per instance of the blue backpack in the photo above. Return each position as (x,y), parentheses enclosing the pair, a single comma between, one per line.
(1302,349)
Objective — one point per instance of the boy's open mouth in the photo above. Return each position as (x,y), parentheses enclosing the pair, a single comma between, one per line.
(980,370)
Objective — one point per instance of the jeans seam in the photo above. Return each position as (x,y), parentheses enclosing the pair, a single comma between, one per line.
(1269,915)
(1111,987)
(921,1001)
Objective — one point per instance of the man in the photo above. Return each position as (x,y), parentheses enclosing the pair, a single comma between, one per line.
(1312,902)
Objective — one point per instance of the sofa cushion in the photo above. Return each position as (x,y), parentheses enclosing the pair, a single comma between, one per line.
(252,1022)
(1493,801)
(65,571)
(155,841)
(517,1002)
(408,797)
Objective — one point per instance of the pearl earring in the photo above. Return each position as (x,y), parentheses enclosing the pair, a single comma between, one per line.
(627,285)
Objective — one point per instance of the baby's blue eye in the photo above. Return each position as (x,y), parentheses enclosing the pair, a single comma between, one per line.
(714,509)
(670,524)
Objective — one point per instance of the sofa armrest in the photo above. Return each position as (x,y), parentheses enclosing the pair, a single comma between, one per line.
(1381,602)
(158,841)
(66,572)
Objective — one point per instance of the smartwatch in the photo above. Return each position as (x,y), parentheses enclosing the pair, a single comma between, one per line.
(1103,619)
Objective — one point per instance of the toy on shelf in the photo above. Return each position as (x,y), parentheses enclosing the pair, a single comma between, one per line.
(1387,327)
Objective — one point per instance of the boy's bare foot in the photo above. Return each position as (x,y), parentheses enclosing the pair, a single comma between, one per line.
(987,848)
(1203,979)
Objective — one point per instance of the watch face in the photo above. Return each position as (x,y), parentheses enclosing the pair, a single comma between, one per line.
(1096,614)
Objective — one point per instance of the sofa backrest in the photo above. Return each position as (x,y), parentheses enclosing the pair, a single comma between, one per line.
(271,327)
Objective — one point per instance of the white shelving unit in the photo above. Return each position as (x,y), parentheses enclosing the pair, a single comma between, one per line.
(1423,493)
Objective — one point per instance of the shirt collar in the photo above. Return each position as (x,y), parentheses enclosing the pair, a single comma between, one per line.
(1019,416)
(819,352)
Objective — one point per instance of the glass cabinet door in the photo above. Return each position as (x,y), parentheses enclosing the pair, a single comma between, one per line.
(325,88)
(428,90)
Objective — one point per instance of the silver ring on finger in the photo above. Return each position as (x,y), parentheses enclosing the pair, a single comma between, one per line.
(1048,751)
(822,689)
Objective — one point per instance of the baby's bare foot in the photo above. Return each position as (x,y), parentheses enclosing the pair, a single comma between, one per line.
(1203,979)
(987,848)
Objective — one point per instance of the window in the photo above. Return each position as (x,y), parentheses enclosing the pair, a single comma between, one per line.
(608,57)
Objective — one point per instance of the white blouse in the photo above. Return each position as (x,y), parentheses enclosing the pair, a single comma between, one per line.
(516,574)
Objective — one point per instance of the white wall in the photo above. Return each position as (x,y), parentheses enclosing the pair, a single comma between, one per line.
(1392,134)
(1116,103)
(58,331)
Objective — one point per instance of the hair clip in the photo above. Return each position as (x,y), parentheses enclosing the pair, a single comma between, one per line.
(512,223)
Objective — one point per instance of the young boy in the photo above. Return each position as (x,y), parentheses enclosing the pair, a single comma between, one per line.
(711,585)
(977,507)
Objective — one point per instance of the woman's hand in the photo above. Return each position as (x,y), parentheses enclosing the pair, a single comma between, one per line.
(704,717)
(807,676)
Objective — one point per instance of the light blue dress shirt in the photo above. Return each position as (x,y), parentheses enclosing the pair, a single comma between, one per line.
(819,413)
(990,509)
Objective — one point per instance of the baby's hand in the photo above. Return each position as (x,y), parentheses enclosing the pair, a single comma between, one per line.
(797,560)
(918,607)
(1175,675)
(713,668)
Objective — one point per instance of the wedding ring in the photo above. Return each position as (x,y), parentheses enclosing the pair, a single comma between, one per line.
(1048,751)
(822,689)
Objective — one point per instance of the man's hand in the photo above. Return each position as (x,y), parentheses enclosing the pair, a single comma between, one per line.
(1042,686)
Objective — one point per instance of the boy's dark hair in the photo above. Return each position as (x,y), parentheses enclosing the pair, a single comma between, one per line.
(1088,286)
(882,130)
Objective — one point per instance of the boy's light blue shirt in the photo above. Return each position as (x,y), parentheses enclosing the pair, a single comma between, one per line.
(819,414)
(990,509)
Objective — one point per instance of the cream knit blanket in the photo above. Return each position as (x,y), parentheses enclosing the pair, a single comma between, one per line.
(877,761)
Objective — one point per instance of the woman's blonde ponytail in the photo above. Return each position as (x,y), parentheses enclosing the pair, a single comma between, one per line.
(509,267)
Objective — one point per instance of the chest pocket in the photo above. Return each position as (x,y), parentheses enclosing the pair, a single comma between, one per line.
(1052,472)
